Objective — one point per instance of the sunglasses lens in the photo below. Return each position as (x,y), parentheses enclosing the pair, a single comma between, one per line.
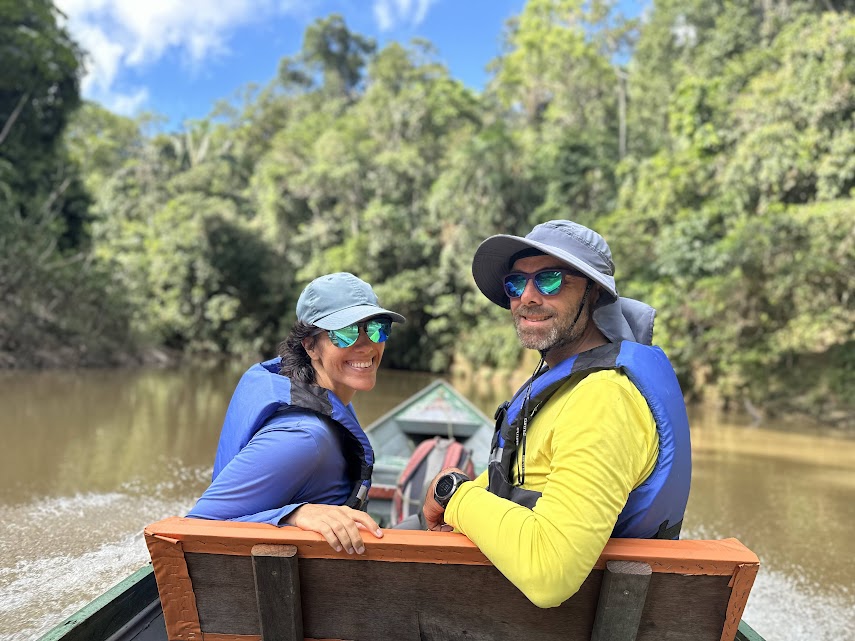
(378,329)
(549,282)
(346,336)
(515,285)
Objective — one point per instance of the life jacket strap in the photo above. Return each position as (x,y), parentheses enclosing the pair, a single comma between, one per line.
(360,498)
(501,411)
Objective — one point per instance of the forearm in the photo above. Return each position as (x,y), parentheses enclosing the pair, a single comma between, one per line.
(262,483)
(547,560)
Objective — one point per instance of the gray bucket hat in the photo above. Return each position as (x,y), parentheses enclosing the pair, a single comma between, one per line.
(337,300)
(582,249)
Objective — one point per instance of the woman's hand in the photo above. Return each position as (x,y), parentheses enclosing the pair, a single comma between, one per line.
(338,524)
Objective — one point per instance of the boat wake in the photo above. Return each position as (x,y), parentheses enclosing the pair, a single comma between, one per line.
(58,554)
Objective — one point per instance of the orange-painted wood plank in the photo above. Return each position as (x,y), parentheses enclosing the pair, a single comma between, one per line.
(743,580)
(720,558)
(209,636)
(176,590)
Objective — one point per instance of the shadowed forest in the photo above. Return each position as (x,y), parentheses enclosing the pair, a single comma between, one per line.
(712,144)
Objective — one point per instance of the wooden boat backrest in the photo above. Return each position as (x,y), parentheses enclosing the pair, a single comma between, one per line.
(238,581)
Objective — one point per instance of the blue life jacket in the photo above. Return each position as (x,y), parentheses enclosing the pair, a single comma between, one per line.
(655,508)
(262,393)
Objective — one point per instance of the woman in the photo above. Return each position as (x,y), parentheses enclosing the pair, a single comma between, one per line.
(292,451)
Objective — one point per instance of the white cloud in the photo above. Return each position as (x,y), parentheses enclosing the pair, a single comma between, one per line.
(392,13)
(103,58)
(127,104)
(383,15)
(120,34)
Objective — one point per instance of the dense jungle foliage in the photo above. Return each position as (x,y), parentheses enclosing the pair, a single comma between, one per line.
(711,142)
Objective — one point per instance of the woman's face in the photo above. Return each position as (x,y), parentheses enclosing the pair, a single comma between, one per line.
(344,370)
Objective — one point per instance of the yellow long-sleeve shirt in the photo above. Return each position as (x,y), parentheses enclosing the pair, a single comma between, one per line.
(592,443)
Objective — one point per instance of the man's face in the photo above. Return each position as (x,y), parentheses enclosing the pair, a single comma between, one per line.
(545,322)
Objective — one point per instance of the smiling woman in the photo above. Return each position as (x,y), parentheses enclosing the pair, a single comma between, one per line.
(291,451)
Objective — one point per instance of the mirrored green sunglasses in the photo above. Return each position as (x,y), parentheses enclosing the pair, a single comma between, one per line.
(547,281)
(377,330)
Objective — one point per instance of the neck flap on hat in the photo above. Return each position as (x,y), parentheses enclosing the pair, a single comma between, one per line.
(626,319)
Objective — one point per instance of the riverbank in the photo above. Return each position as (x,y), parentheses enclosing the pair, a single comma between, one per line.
(63,356)
(489,387)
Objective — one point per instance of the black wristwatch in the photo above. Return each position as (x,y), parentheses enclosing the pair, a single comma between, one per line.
(447,485)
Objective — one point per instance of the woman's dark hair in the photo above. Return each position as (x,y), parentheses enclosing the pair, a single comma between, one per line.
(296,363)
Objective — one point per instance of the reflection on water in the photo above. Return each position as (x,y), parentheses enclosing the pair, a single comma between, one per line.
(93,431)
(91,457)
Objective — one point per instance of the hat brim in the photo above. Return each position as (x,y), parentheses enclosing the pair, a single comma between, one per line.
(355,314)
(490,266)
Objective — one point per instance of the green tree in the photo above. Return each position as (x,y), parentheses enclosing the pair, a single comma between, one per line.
(39,89)
(100,142)
(558,73)
(709,226)
(60,306)
(715,155)
(337,53)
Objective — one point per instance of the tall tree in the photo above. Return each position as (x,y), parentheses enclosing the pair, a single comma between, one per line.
(39,89)
(708,226)
(559,75)
(59,304)
(337,53)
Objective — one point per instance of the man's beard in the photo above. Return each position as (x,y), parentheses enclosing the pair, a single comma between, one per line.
(563,330)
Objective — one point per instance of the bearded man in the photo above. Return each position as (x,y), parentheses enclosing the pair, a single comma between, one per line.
(595,444)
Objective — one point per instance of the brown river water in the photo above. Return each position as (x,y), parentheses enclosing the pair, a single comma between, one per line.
(88,458)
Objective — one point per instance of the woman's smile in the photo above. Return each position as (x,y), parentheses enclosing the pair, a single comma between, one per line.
(361,365)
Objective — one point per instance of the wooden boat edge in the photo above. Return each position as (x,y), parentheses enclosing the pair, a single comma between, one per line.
(134,599)
(747,633)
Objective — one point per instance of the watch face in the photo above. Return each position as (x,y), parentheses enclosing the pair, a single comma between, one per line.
(444,485)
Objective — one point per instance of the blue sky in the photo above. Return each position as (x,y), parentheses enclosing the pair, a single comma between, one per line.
(178,57)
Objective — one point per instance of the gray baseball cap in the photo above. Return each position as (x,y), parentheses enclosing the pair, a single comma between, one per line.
(337,300)
(582,249)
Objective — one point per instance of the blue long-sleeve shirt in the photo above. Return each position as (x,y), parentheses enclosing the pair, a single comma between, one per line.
(292,460)
(280,448)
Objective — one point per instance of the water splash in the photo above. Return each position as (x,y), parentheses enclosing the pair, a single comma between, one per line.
(58,554)
(40,593)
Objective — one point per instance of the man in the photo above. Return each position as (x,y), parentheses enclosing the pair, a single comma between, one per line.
(595,444)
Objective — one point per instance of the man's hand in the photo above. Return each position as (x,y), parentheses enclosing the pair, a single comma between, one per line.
(338,524)
(433,511)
